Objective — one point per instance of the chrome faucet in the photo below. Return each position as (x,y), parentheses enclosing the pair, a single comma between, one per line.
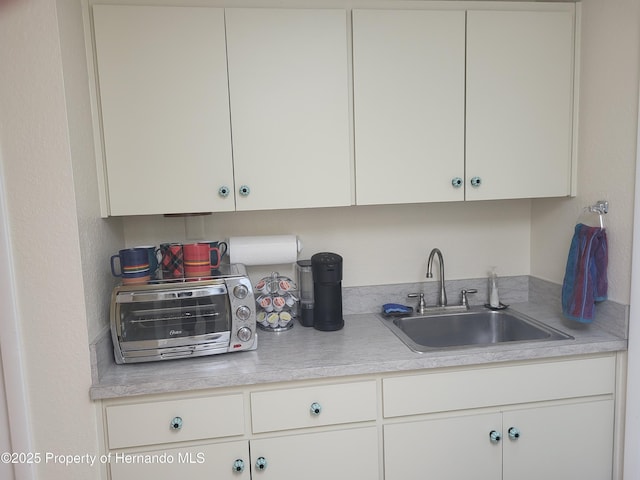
(442,302)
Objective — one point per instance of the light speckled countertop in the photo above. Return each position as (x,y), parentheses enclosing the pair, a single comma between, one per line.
(363,346)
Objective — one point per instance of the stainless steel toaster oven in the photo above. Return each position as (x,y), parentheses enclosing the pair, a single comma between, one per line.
(179,319)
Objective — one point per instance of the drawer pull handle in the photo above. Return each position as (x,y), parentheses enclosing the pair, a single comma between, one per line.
(456,182)
(261,463)
(514,433)
(315,408)
(238,465)
(476,182)
(176,423)
(494,436)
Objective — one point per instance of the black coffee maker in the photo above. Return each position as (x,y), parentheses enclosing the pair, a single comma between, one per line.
(327,290)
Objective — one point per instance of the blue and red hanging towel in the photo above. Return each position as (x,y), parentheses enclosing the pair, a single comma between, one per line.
(585,279)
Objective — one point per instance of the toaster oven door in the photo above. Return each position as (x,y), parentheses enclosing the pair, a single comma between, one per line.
(157,323)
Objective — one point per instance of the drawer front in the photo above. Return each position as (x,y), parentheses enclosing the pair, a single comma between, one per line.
(457,390)
(204,462)
(151,423)
(313,406)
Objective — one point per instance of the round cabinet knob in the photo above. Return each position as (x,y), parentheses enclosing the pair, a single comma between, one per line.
(244,190)
(244,334)
(261,463)
(241,291)
(514,433)
(476,181)
(224,191)
(494,436)
(315,408)
(176,423)
(238,465)
(243,312)
(456,182)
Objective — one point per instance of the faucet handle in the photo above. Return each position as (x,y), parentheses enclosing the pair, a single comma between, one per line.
(421,303)
(464,301)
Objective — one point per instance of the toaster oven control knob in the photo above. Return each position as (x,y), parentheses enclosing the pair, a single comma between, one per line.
(243,313)
(241,291)
(244,334)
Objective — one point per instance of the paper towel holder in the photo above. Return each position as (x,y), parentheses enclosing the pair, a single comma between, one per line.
(265,249)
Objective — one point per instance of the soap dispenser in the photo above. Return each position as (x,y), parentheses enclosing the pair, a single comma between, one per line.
(494,297)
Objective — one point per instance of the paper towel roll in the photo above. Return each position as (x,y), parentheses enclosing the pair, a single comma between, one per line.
(264,250)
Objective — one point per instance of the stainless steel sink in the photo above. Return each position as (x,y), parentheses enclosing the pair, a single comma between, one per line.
(471,328)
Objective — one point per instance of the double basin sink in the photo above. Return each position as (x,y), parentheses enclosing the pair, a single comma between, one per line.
(475,327)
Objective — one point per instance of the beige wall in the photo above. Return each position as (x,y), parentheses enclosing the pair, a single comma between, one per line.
(98,237)
(6,469)
(380,244)
(43,230)
(607,146)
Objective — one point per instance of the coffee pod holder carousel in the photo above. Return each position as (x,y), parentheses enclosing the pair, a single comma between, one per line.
(276,300)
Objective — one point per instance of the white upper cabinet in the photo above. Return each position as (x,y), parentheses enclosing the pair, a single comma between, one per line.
(288,85)
(211,109)
(430,127)
(409,88)
(165,108)
(520,75)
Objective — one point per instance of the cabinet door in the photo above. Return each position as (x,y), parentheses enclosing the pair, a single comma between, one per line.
(339,455)
(409,82)
(288,85)
(203,462)
(565,441)
(519,103)
(445,449)
(165,108)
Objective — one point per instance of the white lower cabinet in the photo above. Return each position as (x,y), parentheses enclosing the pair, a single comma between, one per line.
(315,431)
(172,421)
(335,455)
(342,454)
(547,419)
(573,440)
(444,448)
(313,406)
(517,422)
(222,461)
(163,438)
(561,441)
(312,456)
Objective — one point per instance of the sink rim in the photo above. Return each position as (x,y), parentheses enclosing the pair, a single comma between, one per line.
(554,334)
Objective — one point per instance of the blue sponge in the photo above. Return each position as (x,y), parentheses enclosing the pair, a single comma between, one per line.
(396,309)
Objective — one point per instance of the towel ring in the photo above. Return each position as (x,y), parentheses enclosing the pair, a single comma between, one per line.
(601,207)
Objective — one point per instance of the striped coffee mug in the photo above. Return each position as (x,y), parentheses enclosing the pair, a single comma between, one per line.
(133,265)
